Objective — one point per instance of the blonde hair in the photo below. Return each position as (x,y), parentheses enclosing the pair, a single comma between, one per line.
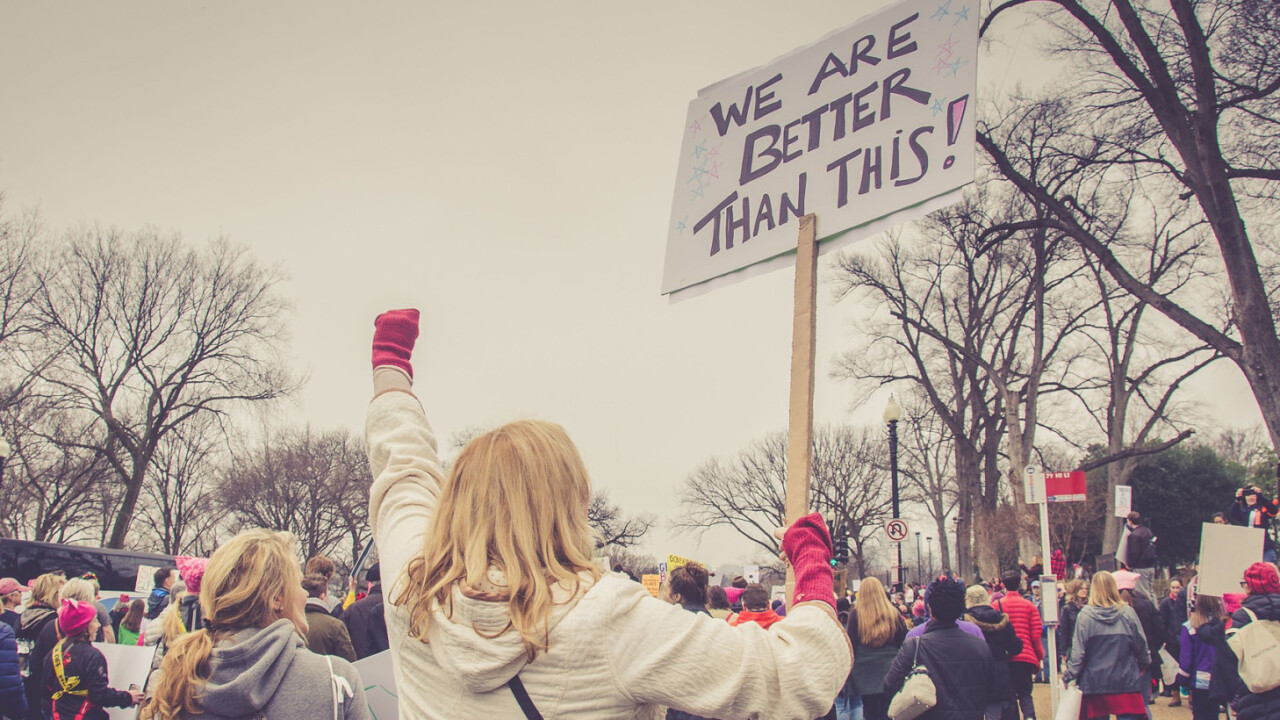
(516,499)
(77,589)
(1102,591)
(877,619)
(1208,607)
(250,582)
(45,589)
(172,628)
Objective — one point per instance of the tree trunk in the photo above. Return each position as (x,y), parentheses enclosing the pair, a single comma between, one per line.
(124,518)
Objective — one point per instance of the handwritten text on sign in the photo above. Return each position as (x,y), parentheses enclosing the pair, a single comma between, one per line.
(868,121)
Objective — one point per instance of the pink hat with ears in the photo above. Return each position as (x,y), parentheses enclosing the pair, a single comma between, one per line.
(192,571)
(75,616)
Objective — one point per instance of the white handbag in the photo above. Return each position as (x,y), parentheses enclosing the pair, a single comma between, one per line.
(918,693)
(1069,702)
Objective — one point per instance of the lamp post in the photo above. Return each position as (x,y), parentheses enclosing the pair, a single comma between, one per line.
(929,540)
(919,567)
(892,414)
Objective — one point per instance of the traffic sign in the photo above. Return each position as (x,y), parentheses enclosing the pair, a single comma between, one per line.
(896,529)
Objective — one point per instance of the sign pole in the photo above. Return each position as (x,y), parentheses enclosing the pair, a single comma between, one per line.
(800,425)
(1045,599)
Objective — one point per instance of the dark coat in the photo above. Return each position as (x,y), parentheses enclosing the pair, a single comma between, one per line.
(83,661)
(1242,514)
(367,624)
(13,696)
(960,666)
(1172,621)
(1141,548)
(34,622)
(1248,706)
(1067,627)
(1152,625)
(871,664)
(326,635)
(1004,644)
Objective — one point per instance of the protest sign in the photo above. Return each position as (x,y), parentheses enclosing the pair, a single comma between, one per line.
(146,580)
(751,573)
(675,561)
(1226,551)
(651,583)
(867,127)
(126,665)
(379,682)
(1124,500)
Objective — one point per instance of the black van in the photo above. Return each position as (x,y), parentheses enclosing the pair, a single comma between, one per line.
(117,570)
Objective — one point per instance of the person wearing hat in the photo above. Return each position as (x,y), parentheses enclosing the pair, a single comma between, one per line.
(1152,625)
(11,596)
(1262,603)
(366,619)
(1003,642)
(75,673)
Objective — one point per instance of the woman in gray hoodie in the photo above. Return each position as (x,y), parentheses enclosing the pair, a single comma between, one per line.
(1108,655)
(252,651)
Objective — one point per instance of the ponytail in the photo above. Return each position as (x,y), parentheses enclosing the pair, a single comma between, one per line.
(183,672)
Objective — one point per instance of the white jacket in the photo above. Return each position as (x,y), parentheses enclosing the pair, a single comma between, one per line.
(615,651)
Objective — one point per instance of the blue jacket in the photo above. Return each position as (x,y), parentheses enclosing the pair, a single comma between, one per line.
(13,698)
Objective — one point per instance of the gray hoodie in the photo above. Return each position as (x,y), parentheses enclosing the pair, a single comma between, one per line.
(1109,651)
(269,673)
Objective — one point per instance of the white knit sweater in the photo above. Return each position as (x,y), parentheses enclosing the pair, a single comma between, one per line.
(615,651)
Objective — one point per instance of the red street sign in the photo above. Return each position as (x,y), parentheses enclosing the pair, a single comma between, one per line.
(1065,486)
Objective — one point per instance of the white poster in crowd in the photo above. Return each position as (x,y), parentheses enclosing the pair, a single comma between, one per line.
(1122,550)
(379,685)
(1226,551)
(751,573)
(1124,500)
(869,127)
(126,665)
(146,579)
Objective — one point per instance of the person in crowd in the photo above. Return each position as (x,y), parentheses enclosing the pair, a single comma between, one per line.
(1032,572)
(876,630)
(1262,602)
(755,608)
(1140,553)
(158,600)
(1173,615)
(780,608)
(1002,641)
(40,612)
(75,672)
(13,696)
(81,591)
(734,593)
(366,618)
(107,632)
(687,587)
(131,624)
(326,634)
(161,631)
(1219,518)
(1075,596)
(10,599)
(1152,629)
(959,664)
(917,613)
(718,603)
(1200,636)
(842,610)
(118,611)
(1252,508)
(493,571)
(323,566)
(1058,565)
(1108,655)
(192,572)
(250,660)
(1026,622)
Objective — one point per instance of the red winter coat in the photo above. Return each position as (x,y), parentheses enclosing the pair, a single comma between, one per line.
(1026,622)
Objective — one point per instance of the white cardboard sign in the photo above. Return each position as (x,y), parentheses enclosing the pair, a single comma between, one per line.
(126,665)
(1226,551)
(867,127)
(379,680)
(1124,500)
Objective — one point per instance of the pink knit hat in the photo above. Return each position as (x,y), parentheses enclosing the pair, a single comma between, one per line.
(192,571)
(75,616)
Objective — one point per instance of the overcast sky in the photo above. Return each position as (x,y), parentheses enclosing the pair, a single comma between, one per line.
(507,167)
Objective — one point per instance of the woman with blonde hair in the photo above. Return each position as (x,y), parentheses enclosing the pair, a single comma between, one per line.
(40,615)
(1108,655)
(876,630)
(495,606)
(250,660)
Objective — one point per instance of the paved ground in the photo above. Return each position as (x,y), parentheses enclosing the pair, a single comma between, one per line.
(1159,711)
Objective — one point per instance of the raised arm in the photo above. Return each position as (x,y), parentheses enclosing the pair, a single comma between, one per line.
(402,447)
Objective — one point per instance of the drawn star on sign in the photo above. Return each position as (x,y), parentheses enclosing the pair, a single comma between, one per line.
(937,105)
(963,14)
(699,149)
(942,11)
(948,47)
(955,66)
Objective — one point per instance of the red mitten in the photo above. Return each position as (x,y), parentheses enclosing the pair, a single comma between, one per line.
(807,544)
(393,336)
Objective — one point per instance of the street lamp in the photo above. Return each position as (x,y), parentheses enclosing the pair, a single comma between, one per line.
(919,567)
(929,540)
(892,414)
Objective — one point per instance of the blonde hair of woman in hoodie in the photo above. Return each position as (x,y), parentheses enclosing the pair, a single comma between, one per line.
(1103,592)
(516,498)
(251,582)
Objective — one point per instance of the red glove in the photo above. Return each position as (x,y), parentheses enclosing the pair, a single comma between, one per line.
(807,544)
(393,336)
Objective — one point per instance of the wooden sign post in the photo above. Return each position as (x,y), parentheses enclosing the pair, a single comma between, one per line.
(803,338)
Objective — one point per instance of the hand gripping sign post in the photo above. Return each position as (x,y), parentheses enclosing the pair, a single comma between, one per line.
(869,126)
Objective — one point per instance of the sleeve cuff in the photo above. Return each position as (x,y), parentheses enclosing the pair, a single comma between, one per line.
(389,377)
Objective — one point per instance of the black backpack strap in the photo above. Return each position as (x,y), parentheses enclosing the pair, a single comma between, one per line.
(526,704)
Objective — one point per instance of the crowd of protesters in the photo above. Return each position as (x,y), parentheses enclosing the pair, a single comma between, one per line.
(496,607)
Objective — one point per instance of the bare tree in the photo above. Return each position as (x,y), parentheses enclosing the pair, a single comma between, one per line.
(179,508)
(928,467)
(613,528)
(1184,98)
(148,335)
(312,484)
(746,492)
